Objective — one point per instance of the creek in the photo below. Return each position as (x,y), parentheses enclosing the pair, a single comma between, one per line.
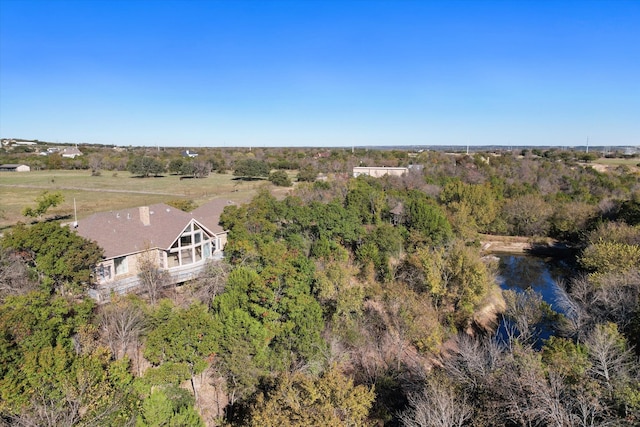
(542,275)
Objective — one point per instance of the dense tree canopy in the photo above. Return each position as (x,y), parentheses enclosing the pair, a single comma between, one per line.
(251,168)
(146,166)
(62,259)
(345,302)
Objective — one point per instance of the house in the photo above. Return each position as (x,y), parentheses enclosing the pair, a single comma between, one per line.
(10,167)
(378,172)
(70,152)
(177,242)
(187,153)
(397,214)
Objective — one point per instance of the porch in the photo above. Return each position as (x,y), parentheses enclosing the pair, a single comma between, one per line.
(102,292)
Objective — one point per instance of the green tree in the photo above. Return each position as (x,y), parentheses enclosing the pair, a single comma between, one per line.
(244,340)
(605,257)
(186,205)
(62,259)
(145,166)
(51,373)
(251,168)
(367,199)
(428,219)
(280,178)
(175,166)
(185,337)
(168,407)
(304,400)
(475,204)
(44,201)
(308,174)
(528,215)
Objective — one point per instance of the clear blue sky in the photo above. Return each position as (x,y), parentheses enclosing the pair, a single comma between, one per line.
(313,73)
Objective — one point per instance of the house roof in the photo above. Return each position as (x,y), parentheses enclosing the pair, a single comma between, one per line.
(71,151)
(209,214)
(133,230)
(398,210)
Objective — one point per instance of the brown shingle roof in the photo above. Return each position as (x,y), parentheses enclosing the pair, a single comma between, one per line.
(209,214)
(123,232)
(132,230)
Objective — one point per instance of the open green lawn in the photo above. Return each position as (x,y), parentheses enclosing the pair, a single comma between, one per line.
(111,191)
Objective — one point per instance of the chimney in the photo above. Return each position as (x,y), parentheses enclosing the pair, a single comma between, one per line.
(144,215)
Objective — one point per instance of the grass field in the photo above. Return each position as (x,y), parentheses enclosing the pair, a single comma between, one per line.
(112,191)
(617,162)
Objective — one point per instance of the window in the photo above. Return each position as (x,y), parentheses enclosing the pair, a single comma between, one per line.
(173,260)
(192,246)
(120,265)
(104,273)
(186,256)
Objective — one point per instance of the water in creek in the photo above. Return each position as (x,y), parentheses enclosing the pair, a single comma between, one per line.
(542,275)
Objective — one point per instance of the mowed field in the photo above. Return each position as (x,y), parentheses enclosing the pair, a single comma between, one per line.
(112,191)
(605,164)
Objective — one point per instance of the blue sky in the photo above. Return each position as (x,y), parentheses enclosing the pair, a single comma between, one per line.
(321,73)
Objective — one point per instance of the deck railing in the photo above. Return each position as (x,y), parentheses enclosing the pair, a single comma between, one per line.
(102,292)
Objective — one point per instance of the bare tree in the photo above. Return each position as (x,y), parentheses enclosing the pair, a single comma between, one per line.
(152,277)
(609,354)
(96,161)
(438,405)
(121,324)
(14,274)
(211,281)
(576,314)
(201,169)
(610,297)
(523,316)
(476,360)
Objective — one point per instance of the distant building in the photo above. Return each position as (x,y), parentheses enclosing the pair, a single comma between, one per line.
(70,152)
(378,172)
(397,214)
(188,153)
(9,167)
(631,151)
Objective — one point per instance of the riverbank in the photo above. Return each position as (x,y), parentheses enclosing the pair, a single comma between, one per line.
(495,244)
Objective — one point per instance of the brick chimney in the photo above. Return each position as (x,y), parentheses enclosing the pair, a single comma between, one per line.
(144,215)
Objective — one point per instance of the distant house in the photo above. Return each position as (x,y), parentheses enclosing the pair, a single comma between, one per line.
(10,167)
(378,171)
(187,153)
(177,242)
(70,152)
(397,214)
